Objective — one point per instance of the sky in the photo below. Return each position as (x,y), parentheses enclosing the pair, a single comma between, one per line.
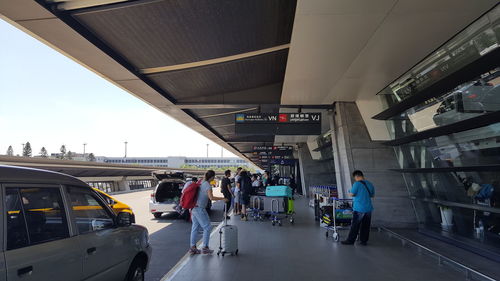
(49,100)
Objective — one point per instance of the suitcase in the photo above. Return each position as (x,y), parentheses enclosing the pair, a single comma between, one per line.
(281,204)
(228,243)
(291,206)
(256,202)
(279,191)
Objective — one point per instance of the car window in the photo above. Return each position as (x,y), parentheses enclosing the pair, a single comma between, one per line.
(107,199)
(17,233)
(89,211)
(34,215)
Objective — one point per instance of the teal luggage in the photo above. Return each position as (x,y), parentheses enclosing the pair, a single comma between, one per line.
(279,191)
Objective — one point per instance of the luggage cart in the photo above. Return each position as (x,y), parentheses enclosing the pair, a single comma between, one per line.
(277,216)
(256,207)
(341,217)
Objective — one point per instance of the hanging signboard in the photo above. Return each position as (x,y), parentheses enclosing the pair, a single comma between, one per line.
(272,150)
(278,124)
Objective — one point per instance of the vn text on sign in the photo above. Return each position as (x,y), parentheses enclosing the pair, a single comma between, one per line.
(278,124)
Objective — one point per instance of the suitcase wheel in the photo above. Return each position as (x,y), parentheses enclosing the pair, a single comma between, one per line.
(336,237)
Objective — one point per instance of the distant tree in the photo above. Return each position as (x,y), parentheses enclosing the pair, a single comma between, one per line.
(10,151)
(44,153)
(91,157)
(27,152)
(69,155)
(63,152)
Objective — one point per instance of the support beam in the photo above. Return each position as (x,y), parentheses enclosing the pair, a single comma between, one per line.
(229,113)
(72,4)
(213,61)
(193,105)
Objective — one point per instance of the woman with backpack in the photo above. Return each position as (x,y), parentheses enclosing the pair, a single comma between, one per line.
(199,215)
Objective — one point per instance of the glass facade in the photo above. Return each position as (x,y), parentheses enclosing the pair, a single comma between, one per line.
(476,41)
(453,178)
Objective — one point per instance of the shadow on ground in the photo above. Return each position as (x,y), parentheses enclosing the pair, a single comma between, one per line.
(171,242)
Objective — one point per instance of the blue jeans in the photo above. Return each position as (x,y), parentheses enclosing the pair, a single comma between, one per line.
(200,219)
(360,225)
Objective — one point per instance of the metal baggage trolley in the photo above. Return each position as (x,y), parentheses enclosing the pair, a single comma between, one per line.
(341,217)
(277,215)
(256,207)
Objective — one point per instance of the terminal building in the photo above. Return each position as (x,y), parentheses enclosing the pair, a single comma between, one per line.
(180,161)
(167,162)
(406,91)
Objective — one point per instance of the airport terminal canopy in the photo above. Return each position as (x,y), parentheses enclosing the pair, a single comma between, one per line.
(202,62)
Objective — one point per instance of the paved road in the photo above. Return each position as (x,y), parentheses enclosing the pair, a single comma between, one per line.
(168,235)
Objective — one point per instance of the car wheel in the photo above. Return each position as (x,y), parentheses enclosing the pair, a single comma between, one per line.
(135,272)
(157,215)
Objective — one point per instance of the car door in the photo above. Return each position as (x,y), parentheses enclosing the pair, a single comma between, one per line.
(106,248)
(38,241)
(3,272)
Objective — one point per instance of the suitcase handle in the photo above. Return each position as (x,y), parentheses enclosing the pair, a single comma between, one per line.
(256,198)
(277,205)
(225,214)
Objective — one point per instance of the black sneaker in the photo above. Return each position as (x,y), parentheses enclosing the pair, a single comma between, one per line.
(347,242)
(363,243)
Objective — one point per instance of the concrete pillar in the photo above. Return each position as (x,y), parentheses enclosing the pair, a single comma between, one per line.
(354,150)
(123,184)
(301,166)
(314,172)
(340,158)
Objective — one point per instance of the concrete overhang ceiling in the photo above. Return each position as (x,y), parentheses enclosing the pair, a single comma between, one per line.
(201,61)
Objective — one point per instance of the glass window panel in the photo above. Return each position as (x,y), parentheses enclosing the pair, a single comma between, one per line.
(89,211)
(17,233)
(44,214)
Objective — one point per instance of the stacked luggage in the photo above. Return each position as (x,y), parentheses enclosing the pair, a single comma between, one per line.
(277,204)
(280,204)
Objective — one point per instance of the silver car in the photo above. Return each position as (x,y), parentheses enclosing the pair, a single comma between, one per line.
(166,195)
(55,227)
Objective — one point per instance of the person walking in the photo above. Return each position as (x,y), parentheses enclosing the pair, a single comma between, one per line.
(246,189)
(237,196)
(362,192)
(199,215)
(225,188)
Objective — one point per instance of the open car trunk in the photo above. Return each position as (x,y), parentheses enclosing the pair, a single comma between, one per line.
(168,191)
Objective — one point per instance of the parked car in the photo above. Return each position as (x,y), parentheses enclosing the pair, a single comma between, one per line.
(165,198)
(166,195)
(59,228)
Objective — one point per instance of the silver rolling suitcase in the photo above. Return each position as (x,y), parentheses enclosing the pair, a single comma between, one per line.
(228,238)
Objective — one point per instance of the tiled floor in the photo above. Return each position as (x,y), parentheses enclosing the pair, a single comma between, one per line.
(301,252)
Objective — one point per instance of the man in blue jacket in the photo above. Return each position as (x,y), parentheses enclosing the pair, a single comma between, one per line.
(362,192)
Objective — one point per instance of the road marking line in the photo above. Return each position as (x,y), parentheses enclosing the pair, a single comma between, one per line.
(185,259)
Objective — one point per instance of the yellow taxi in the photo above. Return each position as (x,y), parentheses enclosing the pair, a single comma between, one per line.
(116,205)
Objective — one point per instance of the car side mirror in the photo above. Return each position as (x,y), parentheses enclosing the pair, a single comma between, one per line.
(124,219)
